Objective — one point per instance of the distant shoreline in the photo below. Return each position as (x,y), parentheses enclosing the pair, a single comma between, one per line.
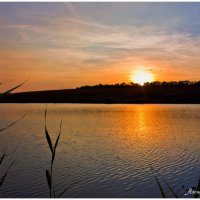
(130,95)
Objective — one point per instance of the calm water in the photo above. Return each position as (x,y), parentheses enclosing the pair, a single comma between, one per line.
(108,148)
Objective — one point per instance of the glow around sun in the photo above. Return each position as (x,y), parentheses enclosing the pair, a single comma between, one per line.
(142,77)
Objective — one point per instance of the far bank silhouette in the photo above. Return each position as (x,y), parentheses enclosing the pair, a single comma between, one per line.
(154,92)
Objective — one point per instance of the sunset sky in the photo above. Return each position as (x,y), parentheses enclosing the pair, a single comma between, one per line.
(66,45)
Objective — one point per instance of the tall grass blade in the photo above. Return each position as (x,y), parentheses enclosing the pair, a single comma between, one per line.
(13,123)
(48,176)
(56,143)
(47,134)
(14,88)
(198,189)
(169,187)
(159,185)
(4,176)
(65,190)
(2,158)
(53,156)
(49,140)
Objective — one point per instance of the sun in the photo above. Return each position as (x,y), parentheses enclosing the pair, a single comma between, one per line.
(142,77)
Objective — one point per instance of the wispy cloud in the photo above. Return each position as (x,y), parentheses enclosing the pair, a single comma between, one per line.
(84,47)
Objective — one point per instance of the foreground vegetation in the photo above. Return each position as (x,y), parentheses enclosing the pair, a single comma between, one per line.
(49,173)
(4,155)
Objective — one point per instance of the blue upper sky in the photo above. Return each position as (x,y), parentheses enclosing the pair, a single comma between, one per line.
(170,16)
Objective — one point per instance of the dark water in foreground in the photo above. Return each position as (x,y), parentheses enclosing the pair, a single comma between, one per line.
(108,148)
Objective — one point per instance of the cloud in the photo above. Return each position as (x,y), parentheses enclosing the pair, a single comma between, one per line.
(87,47)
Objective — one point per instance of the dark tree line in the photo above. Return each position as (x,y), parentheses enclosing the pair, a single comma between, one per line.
(148,84)
(117,85)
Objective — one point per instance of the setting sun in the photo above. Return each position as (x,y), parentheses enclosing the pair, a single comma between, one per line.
(142,77)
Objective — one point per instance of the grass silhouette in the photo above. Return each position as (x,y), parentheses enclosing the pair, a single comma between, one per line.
(2,158)
(161,188)
(49,173)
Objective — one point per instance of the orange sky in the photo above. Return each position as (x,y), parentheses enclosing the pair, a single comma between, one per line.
(66,45)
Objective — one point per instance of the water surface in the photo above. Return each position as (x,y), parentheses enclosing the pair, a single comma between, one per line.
(108,148)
